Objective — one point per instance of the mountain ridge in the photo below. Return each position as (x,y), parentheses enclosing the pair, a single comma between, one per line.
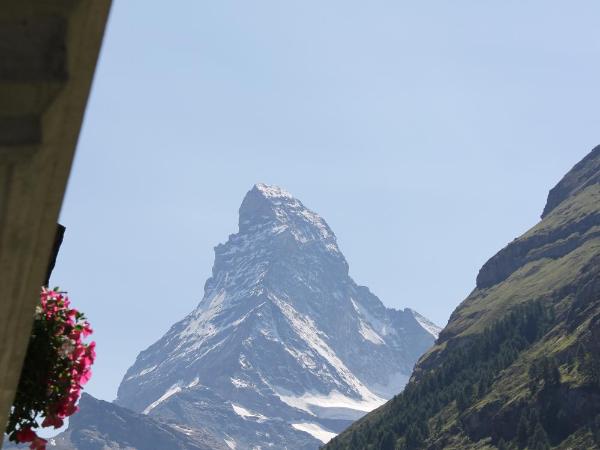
(583,174)
(517,365)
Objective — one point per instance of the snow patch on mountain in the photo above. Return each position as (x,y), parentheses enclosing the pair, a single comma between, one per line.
(143,372)
(307,330)
(230,443)
(246,413)
(332,405)
(273,191)
(365,316)
(194,382)
(315,430)
(370,335)
(171,391)
(427,324)
(240,384)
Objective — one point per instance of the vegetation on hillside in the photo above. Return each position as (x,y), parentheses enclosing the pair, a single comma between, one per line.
(419,417)
(518,366)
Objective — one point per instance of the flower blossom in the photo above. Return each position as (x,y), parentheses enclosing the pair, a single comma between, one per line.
(59,332)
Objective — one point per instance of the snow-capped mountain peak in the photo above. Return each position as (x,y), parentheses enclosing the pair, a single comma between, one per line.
(270,208)
(284,348)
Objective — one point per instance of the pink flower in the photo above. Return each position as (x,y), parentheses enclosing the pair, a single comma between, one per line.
(67,408)
(25,435)
(53,421)
(78,352)
(38,444)
(66,330)
(87,330)
(85,377)
(92,350)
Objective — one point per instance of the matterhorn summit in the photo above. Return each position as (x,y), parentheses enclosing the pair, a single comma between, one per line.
(284,350)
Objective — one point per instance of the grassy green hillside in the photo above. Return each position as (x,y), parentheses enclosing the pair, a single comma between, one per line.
(518,366)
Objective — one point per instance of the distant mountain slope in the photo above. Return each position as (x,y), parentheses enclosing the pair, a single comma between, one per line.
(285,349)
(101,425)
(518,365)
(427,324)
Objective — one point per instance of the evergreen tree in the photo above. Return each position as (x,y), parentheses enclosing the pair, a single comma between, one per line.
(580,354)
(551,373)
(535,375)
(414,438)
(539,440)
(438,425)
(591,368)
(388,442)
(596,430)
(523,430)
(354,440)
(462,400)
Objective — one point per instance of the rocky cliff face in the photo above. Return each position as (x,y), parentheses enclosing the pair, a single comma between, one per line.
(285,349)
(574,219)
(518,365)
(584,174)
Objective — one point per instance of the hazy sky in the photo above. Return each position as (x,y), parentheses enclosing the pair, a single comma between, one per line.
(427,134)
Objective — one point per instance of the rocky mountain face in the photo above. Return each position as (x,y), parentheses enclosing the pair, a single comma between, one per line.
(518,366)
(100,425)
(285,350)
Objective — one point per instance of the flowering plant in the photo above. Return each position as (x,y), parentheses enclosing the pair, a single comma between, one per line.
(56,367)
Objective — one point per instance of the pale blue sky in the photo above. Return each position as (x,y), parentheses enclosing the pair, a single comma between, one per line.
(427,134)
